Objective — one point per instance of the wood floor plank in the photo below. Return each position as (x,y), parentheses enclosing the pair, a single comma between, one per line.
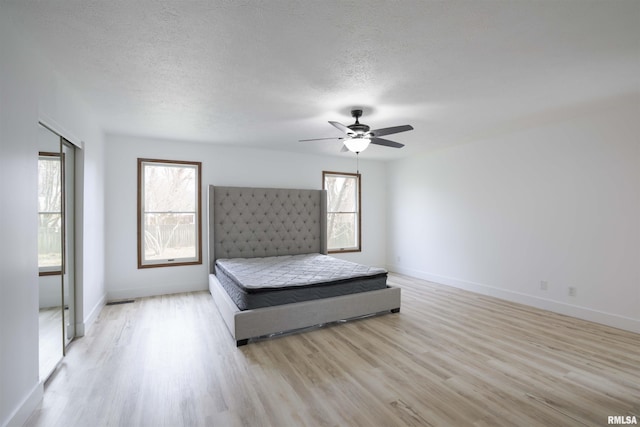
(449,358)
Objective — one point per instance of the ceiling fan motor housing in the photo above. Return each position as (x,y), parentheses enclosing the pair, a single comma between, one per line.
(358,127)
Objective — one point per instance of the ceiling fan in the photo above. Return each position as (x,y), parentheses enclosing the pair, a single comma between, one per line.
(359,136)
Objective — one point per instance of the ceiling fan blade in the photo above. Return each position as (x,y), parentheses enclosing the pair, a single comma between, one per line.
(389,131)
(342,127)
(319,139)
(386,143)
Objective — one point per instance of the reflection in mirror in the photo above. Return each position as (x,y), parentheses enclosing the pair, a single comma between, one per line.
(49,251)
(68,242)
(49,213)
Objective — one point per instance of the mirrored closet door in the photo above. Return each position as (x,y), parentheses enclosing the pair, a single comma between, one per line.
(56,247)
(68,242)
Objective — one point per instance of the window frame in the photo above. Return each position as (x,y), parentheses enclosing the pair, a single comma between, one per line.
(54,270)
(168,262)
(358,177)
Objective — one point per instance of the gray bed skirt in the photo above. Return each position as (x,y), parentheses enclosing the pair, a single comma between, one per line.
(246,324)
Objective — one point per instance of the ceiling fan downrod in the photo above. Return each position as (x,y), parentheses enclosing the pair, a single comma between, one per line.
(358,127)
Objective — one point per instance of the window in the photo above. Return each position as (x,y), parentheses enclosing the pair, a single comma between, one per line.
(343,211)
(49,214)
(169,219)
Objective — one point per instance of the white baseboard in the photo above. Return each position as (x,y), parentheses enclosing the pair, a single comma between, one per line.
(584,313)
(26,407)
(83,328)
(161,289)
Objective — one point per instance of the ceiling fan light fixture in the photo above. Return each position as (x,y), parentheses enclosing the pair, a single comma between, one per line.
(357,145)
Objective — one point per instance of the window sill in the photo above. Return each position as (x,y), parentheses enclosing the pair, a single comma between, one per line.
(50,273)
(343,251)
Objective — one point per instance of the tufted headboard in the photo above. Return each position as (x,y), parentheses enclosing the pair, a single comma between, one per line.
(247,222)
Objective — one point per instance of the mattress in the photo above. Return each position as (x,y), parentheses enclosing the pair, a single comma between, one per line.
(263,282)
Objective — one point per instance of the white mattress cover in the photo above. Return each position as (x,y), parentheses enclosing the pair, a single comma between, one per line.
(292,271)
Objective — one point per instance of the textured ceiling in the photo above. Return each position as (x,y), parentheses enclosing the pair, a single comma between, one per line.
(267,73)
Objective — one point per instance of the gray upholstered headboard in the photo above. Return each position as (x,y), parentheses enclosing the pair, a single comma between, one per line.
(247,222)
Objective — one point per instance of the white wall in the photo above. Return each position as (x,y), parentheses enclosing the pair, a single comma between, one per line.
(30,90)
(557,201)
(221,165)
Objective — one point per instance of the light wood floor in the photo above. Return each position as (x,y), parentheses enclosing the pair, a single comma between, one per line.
(449,358)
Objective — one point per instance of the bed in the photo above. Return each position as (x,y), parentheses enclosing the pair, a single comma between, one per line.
(269,269)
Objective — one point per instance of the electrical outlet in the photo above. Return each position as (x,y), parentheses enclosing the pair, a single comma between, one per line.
(572,291)
(544,285)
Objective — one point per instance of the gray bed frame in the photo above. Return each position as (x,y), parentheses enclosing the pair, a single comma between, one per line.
(246,222)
